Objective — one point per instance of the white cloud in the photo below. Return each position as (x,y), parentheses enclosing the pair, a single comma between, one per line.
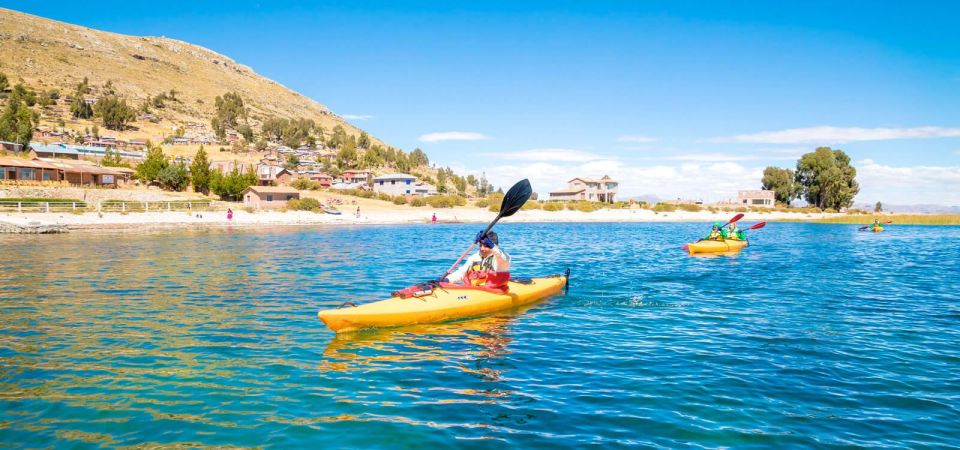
(548,154)
(357,116)
(828,134)
(719,157)
(637,139)
(908,184)
(441,136)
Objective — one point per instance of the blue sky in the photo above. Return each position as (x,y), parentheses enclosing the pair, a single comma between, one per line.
(688,100)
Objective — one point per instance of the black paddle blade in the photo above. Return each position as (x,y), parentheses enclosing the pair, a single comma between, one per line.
(515,198)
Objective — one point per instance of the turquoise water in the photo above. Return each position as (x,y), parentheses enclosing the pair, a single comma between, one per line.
(815,336)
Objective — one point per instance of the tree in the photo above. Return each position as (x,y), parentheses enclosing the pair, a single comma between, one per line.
(95,131)
(827,178)
(174,177)
(16,122)
(878,208)
(782,182)
(441,181)
(246,132)
(114,112)
(364,141)
(292,162)
(230,109)
(149,170)
(4,83)
(111,158)
(231,186)
(419,158)
(200,172)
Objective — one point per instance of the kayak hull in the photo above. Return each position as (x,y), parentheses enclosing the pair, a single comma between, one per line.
(712,246)
(876,229)
(440,305)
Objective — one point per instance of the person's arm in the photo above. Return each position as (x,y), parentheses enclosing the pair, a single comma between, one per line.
(501,259)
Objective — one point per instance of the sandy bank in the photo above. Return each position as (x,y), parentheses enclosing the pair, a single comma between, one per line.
(134,221)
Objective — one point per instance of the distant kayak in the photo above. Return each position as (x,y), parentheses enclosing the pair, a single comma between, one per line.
(438,305)
(714,246)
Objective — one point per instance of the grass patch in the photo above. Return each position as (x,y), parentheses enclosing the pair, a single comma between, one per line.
(897,219)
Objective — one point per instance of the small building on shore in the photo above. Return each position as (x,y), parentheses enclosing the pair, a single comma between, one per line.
(268,197)
(761,198)
(395,184)
(594,190)
(356,176)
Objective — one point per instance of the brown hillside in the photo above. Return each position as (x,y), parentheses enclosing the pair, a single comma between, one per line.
(54,55)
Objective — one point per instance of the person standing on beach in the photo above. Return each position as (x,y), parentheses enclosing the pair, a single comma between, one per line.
(434,218)
(489,267)
(229,213)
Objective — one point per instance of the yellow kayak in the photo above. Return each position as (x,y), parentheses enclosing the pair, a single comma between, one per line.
(713,246)
(440,305)
(876,229)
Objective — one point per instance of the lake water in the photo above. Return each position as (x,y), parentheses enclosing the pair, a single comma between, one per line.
(816,335)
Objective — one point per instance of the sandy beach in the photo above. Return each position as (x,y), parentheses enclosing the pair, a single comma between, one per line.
(371,216)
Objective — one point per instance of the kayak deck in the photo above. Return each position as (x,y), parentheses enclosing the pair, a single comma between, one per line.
(440,305)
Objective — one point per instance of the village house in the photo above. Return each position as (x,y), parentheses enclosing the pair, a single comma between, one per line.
(760,198)
(594,190)
(226,167)
(356,176)
(268,197)
(273,174)
(395,184)
(35,169)
(323,179)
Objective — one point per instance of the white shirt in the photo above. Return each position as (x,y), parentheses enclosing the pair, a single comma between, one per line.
(499,260)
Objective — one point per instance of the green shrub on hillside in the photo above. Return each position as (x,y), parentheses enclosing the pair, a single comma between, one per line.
(482,203)
(690,208)
(417,202)
(399,200)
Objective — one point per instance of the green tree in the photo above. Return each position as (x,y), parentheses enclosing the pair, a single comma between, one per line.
(441,181)
(95,131)
(149,170)
(111,158)
(230,110)
(16,122)
(231,186)
(292,162)
(174,177)
(272,128)
(200,172)
(114,111)
(4,83)
(419,158)
(347,156)
(782,182)
(246,132)
(878,208)
(827,178)
(364,141)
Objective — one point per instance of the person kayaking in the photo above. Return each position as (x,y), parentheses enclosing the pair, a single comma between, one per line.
(489,267)
(733,233)
(716,234)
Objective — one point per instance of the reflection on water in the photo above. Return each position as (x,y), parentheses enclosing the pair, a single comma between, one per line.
(813,336)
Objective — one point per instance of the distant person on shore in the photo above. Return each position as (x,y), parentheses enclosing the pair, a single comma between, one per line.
(358,212)
(434,218)
(489,267)
(716,234)
(229,213)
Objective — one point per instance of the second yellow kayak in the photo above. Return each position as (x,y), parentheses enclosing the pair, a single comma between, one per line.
(439,305)
(714,246)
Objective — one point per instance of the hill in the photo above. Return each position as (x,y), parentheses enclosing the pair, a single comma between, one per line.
(51,55)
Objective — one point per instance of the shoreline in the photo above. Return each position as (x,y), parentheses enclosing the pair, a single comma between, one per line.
(92,221)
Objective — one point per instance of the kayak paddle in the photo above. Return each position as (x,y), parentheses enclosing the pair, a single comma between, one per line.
(734,219)
(512,202)
(758,226)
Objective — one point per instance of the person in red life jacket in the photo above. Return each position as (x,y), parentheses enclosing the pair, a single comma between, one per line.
(488,268)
